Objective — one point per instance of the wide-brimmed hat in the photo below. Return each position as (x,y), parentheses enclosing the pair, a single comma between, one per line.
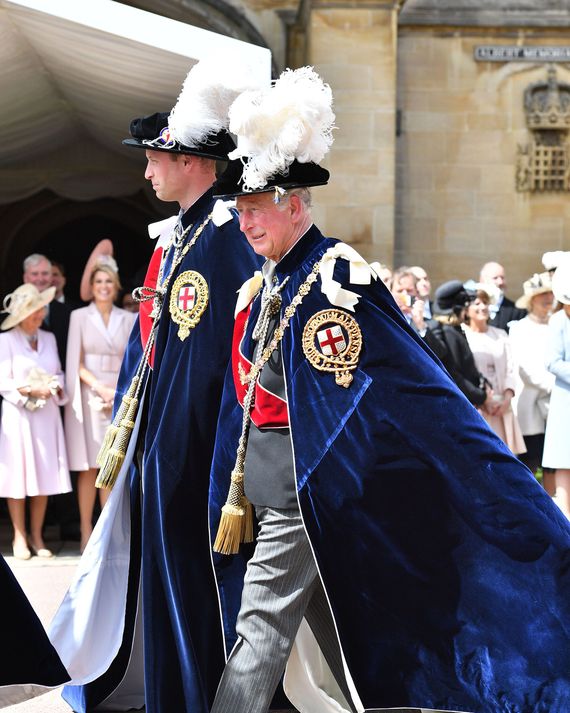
(282,133)
(24,301)
(538,284)
(552,259)
(450,297)
(152,132)
(561,282)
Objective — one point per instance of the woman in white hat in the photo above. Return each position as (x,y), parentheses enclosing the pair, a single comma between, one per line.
(33,461)
(528,337)
(557,437)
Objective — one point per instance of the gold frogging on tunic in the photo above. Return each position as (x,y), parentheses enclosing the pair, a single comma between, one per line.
(188,286)
(343,343)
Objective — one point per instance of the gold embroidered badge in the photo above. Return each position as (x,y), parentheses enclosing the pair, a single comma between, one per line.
(332,341)
(188,300)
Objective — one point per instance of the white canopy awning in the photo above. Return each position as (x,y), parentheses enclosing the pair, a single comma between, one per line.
(73,73)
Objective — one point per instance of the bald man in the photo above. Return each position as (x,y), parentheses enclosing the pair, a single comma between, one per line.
(504,311)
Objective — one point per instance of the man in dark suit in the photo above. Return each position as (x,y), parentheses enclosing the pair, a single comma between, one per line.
(504,311)
(38,271)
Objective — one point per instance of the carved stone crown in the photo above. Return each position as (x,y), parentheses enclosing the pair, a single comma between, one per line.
(547,104)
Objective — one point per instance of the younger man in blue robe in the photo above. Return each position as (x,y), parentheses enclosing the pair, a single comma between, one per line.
(149,562)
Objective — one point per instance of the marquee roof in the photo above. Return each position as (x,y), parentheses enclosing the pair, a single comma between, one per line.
(72,76)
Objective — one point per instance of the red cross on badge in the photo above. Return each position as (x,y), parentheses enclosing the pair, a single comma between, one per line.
(186,298)
(331,340)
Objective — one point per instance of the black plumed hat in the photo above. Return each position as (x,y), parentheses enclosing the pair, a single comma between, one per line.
(152,132)
(298,175)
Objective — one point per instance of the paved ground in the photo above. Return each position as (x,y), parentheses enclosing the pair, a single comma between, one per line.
(45,583)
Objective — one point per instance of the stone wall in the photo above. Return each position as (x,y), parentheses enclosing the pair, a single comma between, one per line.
(354,49)
(461,121)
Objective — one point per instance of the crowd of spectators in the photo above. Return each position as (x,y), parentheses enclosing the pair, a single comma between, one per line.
(59,362)
(510,359)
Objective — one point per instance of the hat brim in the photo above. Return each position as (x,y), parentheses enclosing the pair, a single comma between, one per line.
(135,143)
(12,320)
(524,301)
(299,175)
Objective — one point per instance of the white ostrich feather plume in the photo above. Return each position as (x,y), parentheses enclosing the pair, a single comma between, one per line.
(291,120)
(208,91)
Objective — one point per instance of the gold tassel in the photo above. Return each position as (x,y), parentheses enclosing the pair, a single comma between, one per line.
(115,457)
(108,441)
(233,521)
(113,428)
(229,535)
(248,520)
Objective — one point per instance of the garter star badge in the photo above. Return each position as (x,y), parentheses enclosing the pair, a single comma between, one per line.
(188,300)
(332,341)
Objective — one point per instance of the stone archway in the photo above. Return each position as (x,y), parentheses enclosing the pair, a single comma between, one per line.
(67,231)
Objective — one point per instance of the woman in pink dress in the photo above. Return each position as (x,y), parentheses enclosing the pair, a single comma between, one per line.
(493,358)
(96,343)
(33,460)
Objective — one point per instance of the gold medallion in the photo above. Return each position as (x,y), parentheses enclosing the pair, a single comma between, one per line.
(332,341)
(188,300)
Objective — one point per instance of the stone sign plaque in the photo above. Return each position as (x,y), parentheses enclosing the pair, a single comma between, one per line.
(515,53)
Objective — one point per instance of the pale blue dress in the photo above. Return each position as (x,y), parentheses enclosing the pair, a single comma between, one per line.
(557,437)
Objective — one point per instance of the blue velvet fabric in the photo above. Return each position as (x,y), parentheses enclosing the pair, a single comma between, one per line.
(26,654)
(446,564)
(183,639)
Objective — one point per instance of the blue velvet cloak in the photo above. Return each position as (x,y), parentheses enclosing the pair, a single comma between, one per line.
(170,550)
(26,655)
(446,564)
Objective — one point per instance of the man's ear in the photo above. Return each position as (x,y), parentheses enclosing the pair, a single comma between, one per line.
(186,160)
(296,207)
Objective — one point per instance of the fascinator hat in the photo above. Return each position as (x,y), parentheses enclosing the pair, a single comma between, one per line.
(283,133)
(101,257)
(491,290)
(536,285)
(198,123)
(24,301)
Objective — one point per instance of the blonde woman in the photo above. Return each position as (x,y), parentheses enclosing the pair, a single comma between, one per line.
(97,339)
(33,460)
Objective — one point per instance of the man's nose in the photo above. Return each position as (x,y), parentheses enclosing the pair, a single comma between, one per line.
(243,221)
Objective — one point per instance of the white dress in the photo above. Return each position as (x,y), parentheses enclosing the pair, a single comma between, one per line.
(33,458)
(557,437)
(534,383)
(492,354)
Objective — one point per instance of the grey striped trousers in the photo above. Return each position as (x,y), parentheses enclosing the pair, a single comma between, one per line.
(281,587)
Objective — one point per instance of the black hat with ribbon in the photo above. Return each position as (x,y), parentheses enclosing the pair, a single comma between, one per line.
(153,132)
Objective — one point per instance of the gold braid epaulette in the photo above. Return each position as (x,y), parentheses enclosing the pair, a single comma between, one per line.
(116,440)
(236,522)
